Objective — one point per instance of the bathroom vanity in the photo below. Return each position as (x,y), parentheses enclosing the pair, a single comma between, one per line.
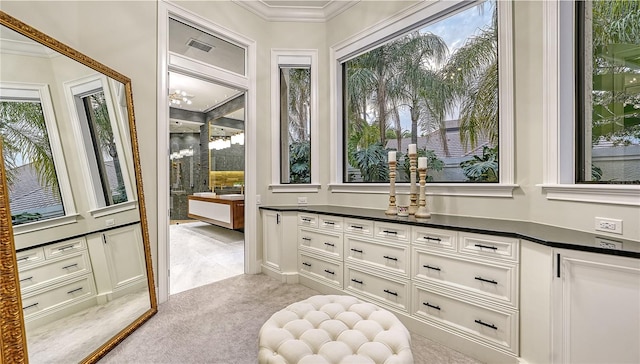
(222,210)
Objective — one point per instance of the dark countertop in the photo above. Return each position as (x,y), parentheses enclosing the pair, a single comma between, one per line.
(548,235)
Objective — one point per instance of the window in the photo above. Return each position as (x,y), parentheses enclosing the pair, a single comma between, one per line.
(294,82)
(436,86)
(608,91)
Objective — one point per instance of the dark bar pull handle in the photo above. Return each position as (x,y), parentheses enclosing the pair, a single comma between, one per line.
(329,244)
(486,247)
(31,305)
(306,239)
(486,324)
(486,280)
(329,223)
(330,272)
(74,290)
(391,292)
(390,258)
(390,232)
(430,238)
(430,305)
(306,264)
(357,281)
(356,227)
(430,267)
(26,279)
(356,250)
(63,248)
(23,259)
(305,219)
(70,266)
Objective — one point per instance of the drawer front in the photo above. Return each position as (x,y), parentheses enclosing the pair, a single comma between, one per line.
(323,243)
(65,247)
(489,246)
(358,227)
(310,220)
(391,232)
(494,281)
(69,266)
(391,257)
(434,238)
(326,271)
(331,223)
(394,293)
(496,327)
(27,258)
(57,295)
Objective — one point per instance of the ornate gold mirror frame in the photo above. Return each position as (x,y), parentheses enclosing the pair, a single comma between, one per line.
(13,347)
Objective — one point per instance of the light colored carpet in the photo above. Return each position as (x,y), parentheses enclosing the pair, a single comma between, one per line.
(219,324)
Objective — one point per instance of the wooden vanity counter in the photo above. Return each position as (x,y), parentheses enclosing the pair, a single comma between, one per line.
(225,212)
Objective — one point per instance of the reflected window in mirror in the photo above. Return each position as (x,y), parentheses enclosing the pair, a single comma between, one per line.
(38,191)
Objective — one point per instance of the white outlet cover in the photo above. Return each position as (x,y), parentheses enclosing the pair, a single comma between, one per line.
(608,225)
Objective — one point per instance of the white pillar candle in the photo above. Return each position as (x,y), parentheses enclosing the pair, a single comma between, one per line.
(392,156)
(412,149)
(422,162)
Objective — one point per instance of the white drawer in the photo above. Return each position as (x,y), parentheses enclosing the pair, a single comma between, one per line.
(394,293)
(434,238)
(65,247)
(493,326)
(324,243)
(358,227)
(27,258)
(310,220)
(38,302)
(325,271)
(331,223)
(391,232)
(489,246)
(489,280)
(387,256)
(45,274)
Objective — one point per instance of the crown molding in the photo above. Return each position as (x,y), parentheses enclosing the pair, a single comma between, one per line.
(26,48)
(296,13)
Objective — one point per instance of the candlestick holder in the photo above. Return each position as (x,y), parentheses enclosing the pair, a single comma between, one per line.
(392,209)
(413,193)
(422,210)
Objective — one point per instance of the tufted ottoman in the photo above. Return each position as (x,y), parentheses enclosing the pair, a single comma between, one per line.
(334,329)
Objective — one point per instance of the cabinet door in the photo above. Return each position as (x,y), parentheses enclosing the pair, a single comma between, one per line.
(272,235)
(125,257)
(596,308)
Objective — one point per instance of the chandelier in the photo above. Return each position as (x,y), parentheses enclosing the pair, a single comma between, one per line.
(178,97)
(224,142)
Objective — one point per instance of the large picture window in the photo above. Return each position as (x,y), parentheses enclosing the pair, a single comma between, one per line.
(295,123)
(608,91)
(435,86)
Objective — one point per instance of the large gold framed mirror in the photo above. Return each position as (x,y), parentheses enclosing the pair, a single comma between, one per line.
(75,265)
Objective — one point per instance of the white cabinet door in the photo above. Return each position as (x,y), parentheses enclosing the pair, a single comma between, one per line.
(271,235)
(279,248)
(596,313)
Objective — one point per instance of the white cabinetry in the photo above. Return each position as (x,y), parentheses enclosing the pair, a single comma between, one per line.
(279,250)
(320,248)
(596,308)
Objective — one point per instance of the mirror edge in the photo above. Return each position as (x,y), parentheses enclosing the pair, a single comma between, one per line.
(13,346)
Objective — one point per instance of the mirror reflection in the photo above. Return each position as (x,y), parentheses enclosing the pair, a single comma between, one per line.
(73,201)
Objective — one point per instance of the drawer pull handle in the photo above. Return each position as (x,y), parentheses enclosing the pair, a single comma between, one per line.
(430,305)
(356,250)
(66,247)
(329,244)
(26,279)
(486,247)
(430,267)
(486,324)
(356,227)
(306,220)
(390,232)
(330,272)
(70,266)
(486,280)
(391,292)
(31,305)
(329,223)
(390,258)
(23,259)
(306,264)
(74,290)
(306,239)
(357,281)
(434,239)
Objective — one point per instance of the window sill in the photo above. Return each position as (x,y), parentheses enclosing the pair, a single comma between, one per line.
(606,194)
(433,189)
(45,224)
(114,209)
(293,188)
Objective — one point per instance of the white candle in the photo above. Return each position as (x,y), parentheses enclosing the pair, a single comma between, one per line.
(392,156)
(412,149)
(422,162)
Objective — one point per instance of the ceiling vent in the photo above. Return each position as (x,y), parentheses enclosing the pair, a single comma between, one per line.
(199,45)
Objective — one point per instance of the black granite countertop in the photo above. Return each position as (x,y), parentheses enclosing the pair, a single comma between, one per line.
(548,235)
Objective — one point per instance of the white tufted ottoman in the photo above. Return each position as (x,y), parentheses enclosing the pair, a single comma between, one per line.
(334,329)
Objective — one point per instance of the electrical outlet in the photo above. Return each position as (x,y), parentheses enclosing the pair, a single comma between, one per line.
(608,243)
(110,222)
(302,200)
(258,199)
(609,225)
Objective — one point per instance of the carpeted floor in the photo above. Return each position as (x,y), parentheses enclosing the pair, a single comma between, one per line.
(219,324)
